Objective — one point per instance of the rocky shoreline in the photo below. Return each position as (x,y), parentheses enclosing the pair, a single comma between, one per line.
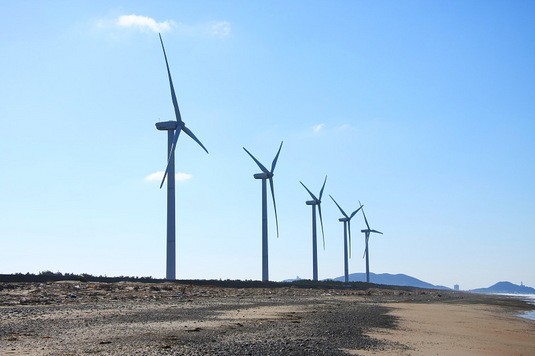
(74,318)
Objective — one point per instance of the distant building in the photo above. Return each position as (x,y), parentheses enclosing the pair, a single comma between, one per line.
(456,287)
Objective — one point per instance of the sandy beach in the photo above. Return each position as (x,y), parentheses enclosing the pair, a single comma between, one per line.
(129,318)
(459,329)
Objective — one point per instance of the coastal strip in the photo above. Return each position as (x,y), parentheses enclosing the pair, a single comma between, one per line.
(73,318)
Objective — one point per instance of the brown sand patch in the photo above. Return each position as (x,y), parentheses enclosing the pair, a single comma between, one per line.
(262,312)
(455,329)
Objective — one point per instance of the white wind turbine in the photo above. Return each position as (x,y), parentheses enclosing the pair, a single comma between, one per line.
(347,232)
(173,129)
(367,232)
(269,176)
(315,202)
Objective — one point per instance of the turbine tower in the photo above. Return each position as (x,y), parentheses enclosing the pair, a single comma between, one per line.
(173,129)
(367,232)
(315,202)
(347,231)
(269,176)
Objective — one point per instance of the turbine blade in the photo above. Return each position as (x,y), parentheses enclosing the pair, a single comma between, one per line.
(366,220)
(190,134)
(274,163)
(274,205)
(173,146)
(321,222)
(323,187)
(309,192)
(163,179)
(349,233)
(356,211)
(173,96)
(343,212)
(262,168)
(366,249)
(377,232)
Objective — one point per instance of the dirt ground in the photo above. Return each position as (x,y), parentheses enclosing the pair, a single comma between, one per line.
(130,318)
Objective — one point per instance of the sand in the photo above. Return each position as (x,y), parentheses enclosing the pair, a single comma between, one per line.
(125,318)
(446,329)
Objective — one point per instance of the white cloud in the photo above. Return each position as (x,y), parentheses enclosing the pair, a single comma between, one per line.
(144,23)
(183,176)
(212,29)
(318,128)
(219,29)
(157,176)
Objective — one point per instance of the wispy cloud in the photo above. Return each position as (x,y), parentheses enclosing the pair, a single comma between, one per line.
(344,127)
(211,29)
(157,176)
(318,128)
(219,29)
(144,23)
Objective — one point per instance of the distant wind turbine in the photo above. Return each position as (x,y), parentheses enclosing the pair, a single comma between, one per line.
(367,232)
(269,176)
(315,202)
(347,231)
(173,129)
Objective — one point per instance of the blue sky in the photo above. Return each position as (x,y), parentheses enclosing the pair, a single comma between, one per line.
(422,110)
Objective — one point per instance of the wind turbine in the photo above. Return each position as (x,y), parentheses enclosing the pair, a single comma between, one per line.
(269,176)
(367,251)
(315,202)
(347,231)
(173,129)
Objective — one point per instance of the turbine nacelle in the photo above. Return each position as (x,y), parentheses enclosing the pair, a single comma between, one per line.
(167,125)
(344,219)
(263,175)
(313,202)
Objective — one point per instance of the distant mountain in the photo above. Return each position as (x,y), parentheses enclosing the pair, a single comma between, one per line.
(292,280)
(391,279)
(506,287)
